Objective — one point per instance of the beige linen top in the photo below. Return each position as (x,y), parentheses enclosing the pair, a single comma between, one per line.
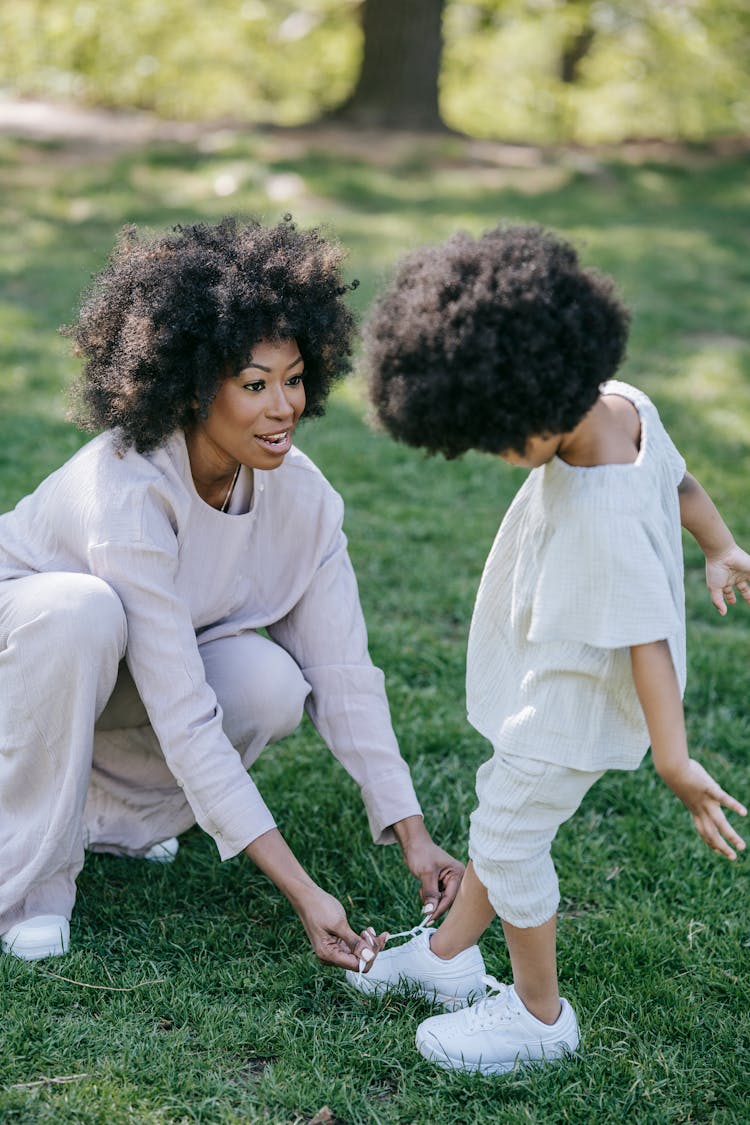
(587,562)
(185,574)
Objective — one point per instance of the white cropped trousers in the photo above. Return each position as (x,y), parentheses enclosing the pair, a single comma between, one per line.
(80,766)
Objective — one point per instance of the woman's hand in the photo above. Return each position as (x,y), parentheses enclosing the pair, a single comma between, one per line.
(439,874)
(726,572)
(331,936)
(323,916)
(704,798)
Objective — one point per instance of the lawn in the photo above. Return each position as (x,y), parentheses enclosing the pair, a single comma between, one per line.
(190,994)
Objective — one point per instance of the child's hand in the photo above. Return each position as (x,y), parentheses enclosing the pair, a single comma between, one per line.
(724,573)
(704,799)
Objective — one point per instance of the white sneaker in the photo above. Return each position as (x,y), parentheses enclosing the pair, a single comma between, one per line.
(496,1035)
(414,967)
(163,852)
(46,935)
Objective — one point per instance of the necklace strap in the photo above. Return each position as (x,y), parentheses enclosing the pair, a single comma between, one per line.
(230,490)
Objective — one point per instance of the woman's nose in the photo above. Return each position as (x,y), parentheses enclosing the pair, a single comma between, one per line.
(280,406)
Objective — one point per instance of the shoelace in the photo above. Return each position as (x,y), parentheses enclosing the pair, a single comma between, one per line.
(420,928)
(492,1009)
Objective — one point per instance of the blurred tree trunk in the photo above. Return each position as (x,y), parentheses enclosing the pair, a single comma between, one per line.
(397,86)
(578,42)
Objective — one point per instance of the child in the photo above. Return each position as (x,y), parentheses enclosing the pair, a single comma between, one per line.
(576,652)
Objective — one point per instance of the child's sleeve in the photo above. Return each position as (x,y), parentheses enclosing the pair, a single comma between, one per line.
(604,582)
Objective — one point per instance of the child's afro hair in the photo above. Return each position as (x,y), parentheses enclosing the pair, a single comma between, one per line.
(170,317)
(483,343)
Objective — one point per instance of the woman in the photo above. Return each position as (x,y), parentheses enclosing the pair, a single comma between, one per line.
(136,687)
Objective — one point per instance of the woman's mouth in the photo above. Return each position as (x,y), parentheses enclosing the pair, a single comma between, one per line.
(278,443)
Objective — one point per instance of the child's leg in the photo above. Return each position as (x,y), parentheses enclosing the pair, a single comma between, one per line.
(467,919)
(533,955)
(532,950)
(522,803)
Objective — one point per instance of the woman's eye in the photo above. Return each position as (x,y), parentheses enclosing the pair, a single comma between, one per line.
(295,380)
(257,386)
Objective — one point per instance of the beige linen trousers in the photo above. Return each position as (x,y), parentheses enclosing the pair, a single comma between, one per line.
(80,766)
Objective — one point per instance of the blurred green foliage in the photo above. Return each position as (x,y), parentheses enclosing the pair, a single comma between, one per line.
(526,70)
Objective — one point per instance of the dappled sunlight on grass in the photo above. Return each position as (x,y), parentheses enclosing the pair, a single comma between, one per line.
(715,381)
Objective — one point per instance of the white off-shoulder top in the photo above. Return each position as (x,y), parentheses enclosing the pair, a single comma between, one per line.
(586,563)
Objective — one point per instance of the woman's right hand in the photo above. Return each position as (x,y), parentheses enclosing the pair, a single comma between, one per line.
(332,938)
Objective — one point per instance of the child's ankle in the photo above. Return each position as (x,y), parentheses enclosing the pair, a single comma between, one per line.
(545,1009)
(442,947)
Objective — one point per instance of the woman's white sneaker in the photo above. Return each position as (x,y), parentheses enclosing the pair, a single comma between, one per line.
(163,852)
(46,935)
(496,1035)
(413,967)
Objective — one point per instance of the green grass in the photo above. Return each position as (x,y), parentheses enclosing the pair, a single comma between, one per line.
(191,994)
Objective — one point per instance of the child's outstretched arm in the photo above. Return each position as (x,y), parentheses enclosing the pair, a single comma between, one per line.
(727,565)
(659,694)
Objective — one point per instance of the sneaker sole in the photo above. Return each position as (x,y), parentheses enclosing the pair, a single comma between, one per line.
(406,988)
(435,1055)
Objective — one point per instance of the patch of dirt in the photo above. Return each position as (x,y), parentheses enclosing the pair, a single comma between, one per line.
(48,121)
(102,132)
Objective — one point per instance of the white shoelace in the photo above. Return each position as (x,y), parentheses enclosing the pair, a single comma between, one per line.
(420,928)
(492,1009)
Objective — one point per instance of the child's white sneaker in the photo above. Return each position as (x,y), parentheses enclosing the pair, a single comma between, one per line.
(46,935)
(414,967)
(496,1035)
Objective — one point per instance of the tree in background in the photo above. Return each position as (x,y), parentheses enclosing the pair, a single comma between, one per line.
(397,87)
(535,71)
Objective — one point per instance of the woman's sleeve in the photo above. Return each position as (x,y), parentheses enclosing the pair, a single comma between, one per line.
(602,582)
(325,633)
(163,658)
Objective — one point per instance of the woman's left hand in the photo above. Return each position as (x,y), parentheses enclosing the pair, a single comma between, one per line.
(439,874)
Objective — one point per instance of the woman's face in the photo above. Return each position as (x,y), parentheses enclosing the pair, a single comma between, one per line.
(253,415)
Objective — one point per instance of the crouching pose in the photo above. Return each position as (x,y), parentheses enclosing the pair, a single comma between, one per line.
(136,686)
(576,657)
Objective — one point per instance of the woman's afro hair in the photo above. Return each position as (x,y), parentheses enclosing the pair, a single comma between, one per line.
(483,343)
(170,317)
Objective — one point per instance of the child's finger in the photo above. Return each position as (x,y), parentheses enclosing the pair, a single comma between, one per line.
(727,831)
(712,831)
(716,842)
(730,802)
(717,599)
(706,829)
